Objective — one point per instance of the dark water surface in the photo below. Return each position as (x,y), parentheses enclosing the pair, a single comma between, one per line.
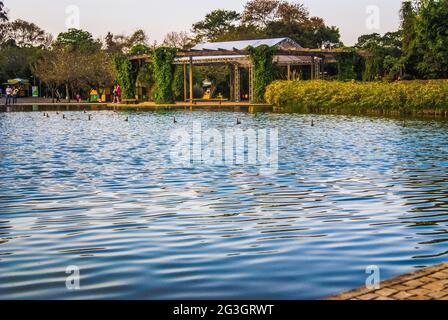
(103,195)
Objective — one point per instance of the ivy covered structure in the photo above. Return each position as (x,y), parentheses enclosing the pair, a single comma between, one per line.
(252,65)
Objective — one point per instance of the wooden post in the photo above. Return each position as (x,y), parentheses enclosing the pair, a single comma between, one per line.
(237,84)
(313,68)
(191,80)
(185,83)
(232,86)
(251,83)
(289,72)
(322,69)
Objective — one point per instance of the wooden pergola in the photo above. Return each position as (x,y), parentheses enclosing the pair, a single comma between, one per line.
(235,54)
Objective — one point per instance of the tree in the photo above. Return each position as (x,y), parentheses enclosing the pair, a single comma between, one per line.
(260,12)
(16,62)
(3,19)
(138,37)
(310,33)
(26,34)
(115,44)
(383,53)
(3,13)
(410,57)
(275,18)
(432,38)
(78,40)
(178,40)
(215,24)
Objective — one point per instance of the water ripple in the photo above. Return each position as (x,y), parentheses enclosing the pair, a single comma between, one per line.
(102,195)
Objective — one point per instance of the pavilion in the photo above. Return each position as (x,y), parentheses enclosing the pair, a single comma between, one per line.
(235,54)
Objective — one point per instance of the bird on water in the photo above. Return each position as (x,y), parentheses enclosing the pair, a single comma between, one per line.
(174,120)
(238,121)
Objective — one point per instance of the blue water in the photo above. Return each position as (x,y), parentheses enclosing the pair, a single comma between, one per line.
(103,195)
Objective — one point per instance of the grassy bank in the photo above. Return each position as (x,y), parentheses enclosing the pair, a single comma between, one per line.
(402,97)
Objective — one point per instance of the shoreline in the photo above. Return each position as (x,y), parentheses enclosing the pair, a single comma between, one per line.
(225,107)
(426,284)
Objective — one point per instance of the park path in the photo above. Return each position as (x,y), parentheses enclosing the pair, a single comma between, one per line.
(426,284)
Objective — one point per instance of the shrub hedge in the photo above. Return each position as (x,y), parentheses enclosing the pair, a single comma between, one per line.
(402,97)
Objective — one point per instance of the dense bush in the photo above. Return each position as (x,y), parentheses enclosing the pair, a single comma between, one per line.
(163,74)
(405,97)
(126,75)
(262,60)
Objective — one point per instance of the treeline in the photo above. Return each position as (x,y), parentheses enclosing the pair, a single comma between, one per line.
(74,62)
(419,50)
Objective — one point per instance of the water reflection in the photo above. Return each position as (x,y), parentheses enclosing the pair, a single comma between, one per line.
(101,194)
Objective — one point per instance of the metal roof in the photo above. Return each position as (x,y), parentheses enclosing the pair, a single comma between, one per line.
(242,60)
(241,45)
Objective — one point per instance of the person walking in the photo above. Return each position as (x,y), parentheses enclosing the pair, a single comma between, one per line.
(115,94)
(58,96)
(8,95)
(15,94)
(119,93)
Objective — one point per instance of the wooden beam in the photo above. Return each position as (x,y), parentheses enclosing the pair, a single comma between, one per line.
(289,72)
(285,52)
(191,80)
(185,83)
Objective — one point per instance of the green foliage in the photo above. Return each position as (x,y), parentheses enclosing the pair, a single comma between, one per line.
(140,49)
(348,64)
(75,39)
(432,38)
(404,97)
(126,75)
(16,62)
(145,77)
(163,74)
(215,24)
(267,19)
(178,83)
(262,61)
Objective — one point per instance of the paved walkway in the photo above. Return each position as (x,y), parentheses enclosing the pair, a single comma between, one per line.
(426,284)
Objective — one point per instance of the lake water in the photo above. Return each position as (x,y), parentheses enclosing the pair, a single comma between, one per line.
(103,195)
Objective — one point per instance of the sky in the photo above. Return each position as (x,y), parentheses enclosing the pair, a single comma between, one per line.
(157,18)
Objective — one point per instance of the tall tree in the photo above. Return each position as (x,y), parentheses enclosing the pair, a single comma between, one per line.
(78,40)
(120,43)
(432,38)
(178,40)
(3,20)
(216,24)
(26,34)
(3,13)
(260,12)
(410,56)
(384,53)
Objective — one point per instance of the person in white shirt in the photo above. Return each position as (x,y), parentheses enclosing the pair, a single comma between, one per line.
(8,95)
